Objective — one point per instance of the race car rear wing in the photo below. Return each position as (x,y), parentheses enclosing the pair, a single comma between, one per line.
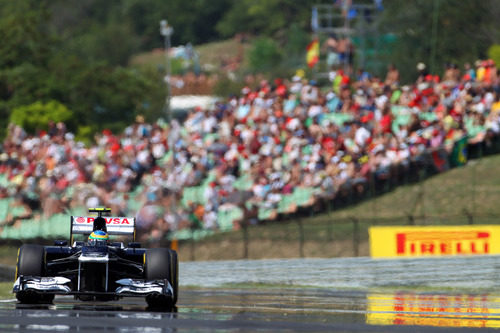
(114,225)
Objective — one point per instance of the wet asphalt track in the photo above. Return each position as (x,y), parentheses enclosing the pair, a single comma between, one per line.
(345,299)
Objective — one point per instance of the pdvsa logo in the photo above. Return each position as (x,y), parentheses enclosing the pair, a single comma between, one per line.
(109,220)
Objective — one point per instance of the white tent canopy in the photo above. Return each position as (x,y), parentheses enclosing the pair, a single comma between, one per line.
(187,102)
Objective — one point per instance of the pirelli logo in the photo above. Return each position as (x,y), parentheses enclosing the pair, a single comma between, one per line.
(445,243)
(434,241)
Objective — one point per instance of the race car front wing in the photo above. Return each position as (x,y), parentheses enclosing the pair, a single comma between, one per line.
(51,285)
(141,287)
(60,285)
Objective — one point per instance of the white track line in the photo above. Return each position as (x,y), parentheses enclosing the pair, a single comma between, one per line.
(8,300)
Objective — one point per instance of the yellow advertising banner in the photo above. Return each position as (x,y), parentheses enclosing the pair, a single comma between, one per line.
(434,241)
(433,310)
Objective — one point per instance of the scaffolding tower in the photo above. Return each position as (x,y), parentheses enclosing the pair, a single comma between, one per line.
(355,21)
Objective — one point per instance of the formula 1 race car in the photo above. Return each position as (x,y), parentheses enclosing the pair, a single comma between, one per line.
(97,269)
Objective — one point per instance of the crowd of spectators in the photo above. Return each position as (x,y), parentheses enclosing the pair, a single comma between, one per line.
(281,136)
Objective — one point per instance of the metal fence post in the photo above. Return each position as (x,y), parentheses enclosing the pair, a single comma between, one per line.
(373,193)
(474,182)
(329,231)
(473,191)
(301,238)
(469,215)
(245,239)
(422,177)
(355,236)
(192,243)
(350,199)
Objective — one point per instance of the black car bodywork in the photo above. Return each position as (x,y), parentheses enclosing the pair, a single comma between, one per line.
(97,270)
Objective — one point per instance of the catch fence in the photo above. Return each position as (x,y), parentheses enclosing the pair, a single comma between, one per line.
(321,237)
(403,194)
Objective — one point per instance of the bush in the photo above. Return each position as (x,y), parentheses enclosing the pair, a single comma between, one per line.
(85,134)
(226,87)
(37,116)
(264,55)
(494,53)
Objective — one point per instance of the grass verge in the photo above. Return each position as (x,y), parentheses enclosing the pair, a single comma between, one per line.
(6,290)
(8,255)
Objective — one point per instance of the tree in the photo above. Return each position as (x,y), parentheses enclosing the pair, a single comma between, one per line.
(24,54)
(193,21)
(265,17)
(462,32)
(24,33)
(264,55)
(83,73)
(106,96)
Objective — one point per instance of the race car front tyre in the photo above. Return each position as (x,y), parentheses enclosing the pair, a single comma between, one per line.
(31,262)
(161,263)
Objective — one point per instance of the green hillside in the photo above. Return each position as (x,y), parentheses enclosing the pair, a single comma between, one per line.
(475,188)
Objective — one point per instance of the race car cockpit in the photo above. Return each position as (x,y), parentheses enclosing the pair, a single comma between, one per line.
(99,235)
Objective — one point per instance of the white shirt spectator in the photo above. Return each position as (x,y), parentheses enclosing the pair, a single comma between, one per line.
(209,124)
(361,135)
(314,110)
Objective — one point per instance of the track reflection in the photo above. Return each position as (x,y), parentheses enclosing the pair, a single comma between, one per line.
(66,315)
(283,309)
(425,309)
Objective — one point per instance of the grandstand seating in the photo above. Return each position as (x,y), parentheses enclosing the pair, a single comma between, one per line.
(4,207)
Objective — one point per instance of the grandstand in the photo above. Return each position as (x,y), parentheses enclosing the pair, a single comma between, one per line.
(280,148)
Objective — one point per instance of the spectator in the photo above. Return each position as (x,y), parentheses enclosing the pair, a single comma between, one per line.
(392,77)
(280,138)
(331,48)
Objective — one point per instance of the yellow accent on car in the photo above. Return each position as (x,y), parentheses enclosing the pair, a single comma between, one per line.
(17,262)
(100,209)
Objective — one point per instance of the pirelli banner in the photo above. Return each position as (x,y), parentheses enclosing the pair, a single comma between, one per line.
(434,241)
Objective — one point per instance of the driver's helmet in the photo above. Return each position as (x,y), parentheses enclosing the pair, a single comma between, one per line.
(98,235)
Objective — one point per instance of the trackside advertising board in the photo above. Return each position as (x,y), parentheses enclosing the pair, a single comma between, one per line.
(387,242)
